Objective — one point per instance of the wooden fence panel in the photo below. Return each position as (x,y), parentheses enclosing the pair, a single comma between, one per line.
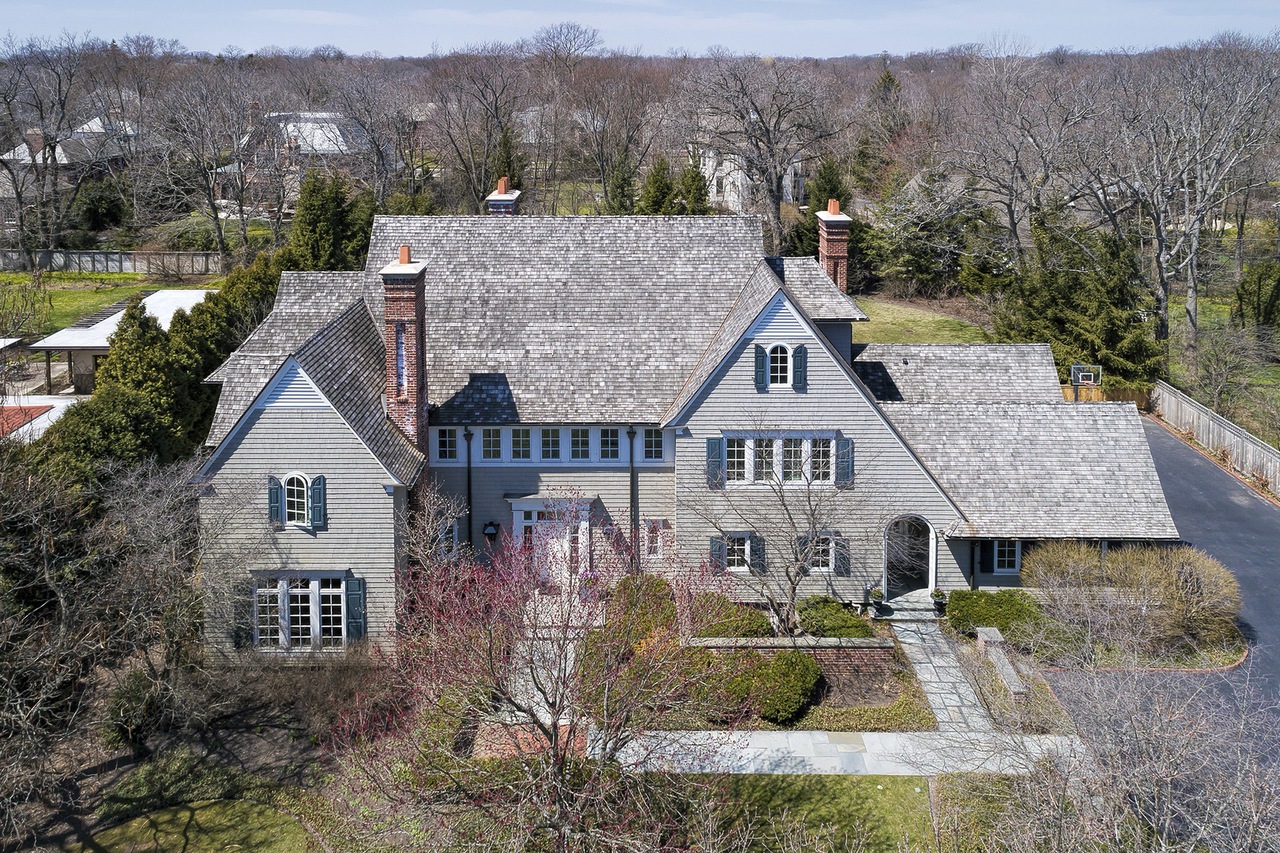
(1238,448)
(158,264)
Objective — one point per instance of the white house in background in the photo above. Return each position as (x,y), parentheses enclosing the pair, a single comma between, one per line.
(732,189)
(86,341)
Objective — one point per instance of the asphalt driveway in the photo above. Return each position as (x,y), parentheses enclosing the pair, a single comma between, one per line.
(1218,514)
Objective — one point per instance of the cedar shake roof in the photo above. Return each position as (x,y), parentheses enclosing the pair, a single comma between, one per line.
(960,373)
(1048,471)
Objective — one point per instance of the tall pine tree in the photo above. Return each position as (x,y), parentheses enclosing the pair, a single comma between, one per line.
(656,188)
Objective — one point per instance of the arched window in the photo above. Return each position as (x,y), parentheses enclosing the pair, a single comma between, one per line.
(295,499)
(779,365)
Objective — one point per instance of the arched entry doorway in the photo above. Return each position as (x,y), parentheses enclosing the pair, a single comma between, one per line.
(908,556)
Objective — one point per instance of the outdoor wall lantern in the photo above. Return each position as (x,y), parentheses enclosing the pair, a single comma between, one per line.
(490,529)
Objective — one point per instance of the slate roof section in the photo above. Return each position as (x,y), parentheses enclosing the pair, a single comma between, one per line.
(346,359)
(305,302)
(1041,471)
(959,373)
(571,319)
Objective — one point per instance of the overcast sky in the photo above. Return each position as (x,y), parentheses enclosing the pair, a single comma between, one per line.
(767,27)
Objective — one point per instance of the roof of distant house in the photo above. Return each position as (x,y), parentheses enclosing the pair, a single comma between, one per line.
(27,417)
(161,304)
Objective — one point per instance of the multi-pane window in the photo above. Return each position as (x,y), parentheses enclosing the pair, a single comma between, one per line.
(735,460)
(820,460)
(653,445)
(821,554)
(764,459)
(737,553)
(267,600)
(331,613)
(609,443)
(793,459)
(579,443)
(295,499)
(300,607)
(550,444)
(300,612)
(779,365)
(447,444)
(653,538)
(1008,556)
(521,447)
(491,443)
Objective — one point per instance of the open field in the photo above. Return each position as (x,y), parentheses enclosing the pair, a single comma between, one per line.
(76,295)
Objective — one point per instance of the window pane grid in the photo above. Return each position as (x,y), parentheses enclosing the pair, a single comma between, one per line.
(550,444)
(609,443)
(520,447)
(792,459)
(764,459)
(491,443)
(447,443)
(779,365)
(295,500)
(268,595)
(737,552)
(653,445)
(735,459)
(579,443)
(300,612)
(820,554)
(820,459)
(331,616)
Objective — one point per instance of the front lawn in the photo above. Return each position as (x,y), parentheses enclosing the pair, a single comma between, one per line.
(209,825)
(896,323)
(890,813)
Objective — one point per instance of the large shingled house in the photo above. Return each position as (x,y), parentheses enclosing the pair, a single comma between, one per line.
(685,390)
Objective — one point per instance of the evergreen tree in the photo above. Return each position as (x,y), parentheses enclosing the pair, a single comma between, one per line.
(1085,297)
(689,196)
(331,226)
(507,160)
(656,188)
(620,190)
(139,357)
(827,183)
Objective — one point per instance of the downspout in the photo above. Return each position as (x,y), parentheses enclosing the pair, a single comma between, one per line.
(635,500)
(467,435)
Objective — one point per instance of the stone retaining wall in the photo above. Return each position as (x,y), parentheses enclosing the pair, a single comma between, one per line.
(841,659)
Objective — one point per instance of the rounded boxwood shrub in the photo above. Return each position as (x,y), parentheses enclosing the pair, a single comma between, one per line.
(715,615)
(738,688)
(786,686)
(823,616)
(641,605)
(1010,610)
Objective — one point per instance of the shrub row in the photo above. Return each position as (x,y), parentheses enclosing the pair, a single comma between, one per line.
(1011,610)
(823,616)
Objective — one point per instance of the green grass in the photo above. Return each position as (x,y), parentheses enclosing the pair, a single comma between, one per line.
(893,323)
(209,825)
(884,810)
(68,304)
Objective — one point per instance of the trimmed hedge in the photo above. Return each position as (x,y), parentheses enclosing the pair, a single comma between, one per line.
(823,616)
(716,616)
(786,686)
(641,605)
(1010,610)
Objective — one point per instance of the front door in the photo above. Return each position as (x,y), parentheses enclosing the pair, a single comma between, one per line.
(908,555)
(552,542)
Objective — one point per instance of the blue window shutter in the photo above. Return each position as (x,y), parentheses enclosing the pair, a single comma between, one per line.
(844,562)
(715,463)
(762,369)
(319,511)
(356,627)
(757,553)
(275,503)
(719,558)
(844,463)
(800,368)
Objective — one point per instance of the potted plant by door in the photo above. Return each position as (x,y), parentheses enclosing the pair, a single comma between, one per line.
(876,594)
(939,600)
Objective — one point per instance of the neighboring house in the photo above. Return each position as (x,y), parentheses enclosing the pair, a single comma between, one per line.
(26,418)
(580,382)
(87,341)
(732,189)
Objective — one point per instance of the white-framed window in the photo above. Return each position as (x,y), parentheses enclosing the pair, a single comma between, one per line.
(447,545)
(779,365)
(735,460)
(609,444)
(447,444)
(491,443)
(300,612)
(654,533)
(579,443)
(793,460)
(550,445)
(737,552)
(296,492)
(762,469)
(653,445)
(1008,557)
(521,444)
(820,455)
(822,554)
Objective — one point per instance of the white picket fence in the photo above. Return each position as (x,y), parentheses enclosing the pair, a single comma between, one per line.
(1237,447)
(159,264)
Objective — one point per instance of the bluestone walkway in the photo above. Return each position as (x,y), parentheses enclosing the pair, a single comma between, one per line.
(954,701)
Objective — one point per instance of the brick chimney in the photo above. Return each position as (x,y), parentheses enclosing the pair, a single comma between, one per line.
(503,201)
(833,243)
(34,137)
(404,336)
